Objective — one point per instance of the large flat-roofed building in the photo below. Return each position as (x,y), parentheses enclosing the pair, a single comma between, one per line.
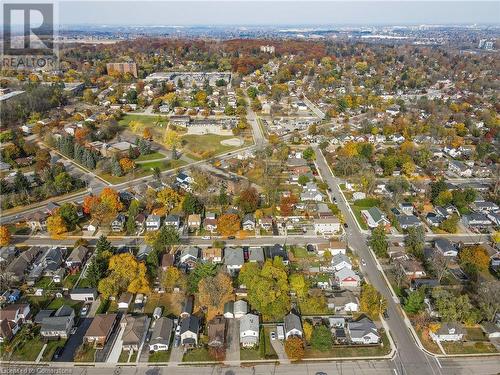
(122,68)
(188,78)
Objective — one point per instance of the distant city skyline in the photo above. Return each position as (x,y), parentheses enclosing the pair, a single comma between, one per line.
(276,13)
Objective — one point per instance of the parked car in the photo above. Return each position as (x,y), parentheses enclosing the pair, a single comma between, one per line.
(58,352)
(231,237)
(346,225)
(85,310)
(273,335)
(205,237)
(178,330)
(363,262)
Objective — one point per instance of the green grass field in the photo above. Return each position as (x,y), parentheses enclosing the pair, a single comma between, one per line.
(206,145)
(152,156)
(163,356)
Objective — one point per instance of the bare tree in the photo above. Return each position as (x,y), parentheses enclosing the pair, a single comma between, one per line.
(488,298)
(439,265)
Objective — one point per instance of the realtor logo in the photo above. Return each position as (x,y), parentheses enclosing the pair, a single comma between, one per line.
(28,35)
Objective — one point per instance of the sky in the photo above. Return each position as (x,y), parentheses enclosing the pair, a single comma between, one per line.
(235,12)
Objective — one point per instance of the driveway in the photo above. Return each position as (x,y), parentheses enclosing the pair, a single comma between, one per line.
(176,354)
(233,340)
(74,341)
(115,352)
(280,350)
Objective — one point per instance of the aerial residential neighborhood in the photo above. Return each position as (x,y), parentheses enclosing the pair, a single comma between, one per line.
(254,199)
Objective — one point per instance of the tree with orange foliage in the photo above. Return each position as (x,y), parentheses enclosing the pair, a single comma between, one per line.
(56,226)
(81,134)
(146,134)
(294,348)
(4,236)
(127,164)
(104,207)
(228,224)
(286,205)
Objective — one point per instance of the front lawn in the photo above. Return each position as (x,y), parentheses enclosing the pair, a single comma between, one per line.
(468,347)
(152,156)
(249,354)
(161,356)
(85,353)
(475,334)
(58,302)
(51,348)
(197,355)
(352,350)
(22,347)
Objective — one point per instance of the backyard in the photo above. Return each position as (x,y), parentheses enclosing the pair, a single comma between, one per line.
(207,145)
(363,204)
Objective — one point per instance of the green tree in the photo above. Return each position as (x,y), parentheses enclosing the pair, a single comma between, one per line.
(309,154)
(201,271)
(415,241)
(268,289)
(303,179)
(191,204)
(450,224)
(415,301)
(378,242)
(69,214)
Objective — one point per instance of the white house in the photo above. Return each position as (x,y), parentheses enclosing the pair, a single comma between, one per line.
(340,261)
(374,217)
(363,331)
(326,225)
(153,222)
(249,330)
(448,332)
(347,278)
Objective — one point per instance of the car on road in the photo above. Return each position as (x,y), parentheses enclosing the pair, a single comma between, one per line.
(205,237)
(231,237)
(273,335)
(321,373)
(346,225)
(178,330)
(85,310)
(386,314)
(363,262)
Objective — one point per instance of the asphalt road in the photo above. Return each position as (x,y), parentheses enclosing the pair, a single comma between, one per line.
(448,366)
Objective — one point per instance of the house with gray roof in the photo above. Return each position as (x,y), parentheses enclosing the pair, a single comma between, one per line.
(153,222)
(162,332)
(255,254)
(363,331)
(233,259)
(293,326)
(452,331)
(249,330)
(248,222)
(408,221)
(135,331)
(77,257)
(445,247)
(190,327)
(59,325)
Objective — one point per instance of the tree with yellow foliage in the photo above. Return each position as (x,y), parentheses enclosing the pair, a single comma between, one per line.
(135,126)
(56,226)
(4,236)
(228,224)
(475,256)
(171,138)
(126,274)
(169,198)
(350,149)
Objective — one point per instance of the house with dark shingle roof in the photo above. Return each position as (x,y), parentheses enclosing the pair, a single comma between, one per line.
(100,329)
(162,332)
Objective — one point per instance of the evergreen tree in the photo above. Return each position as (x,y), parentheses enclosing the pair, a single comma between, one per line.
(116,170)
